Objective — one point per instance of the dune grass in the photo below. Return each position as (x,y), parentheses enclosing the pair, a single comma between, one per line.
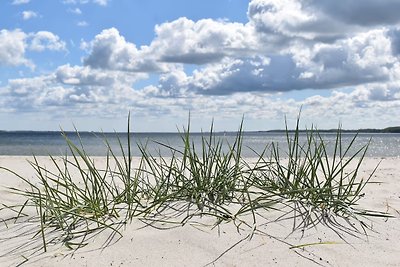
(77,200)
(208,179)
(318,186)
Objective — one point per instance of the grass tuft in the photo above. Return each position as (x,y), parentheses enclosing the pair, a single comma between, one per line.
(317,186)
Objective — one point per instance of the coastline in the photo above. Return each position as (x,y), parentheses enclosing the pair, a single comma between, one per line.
(196,245)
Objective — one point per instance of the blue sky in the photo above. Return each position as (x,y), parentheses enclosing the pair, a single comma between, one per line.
(89,62)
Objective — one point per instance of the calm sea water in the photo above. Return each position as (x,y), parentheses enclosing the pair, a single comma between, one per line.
(45,143)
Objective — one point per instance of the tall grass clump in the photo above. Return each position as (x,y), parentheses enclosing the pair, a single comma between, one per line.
(314,184)
(74,199)
(207,177)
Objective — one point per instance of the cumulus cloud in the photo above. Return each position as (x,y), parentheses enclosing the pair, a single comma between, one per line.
(12,48)
(306,44)
(395,38)
(283,21)
(76,11)
(365,14)
(44,40)
(15,43)
(23,94)
(29,14)
(110,50)
(101,2)
(245,75)
(86,91)
(20,2)
(319,20)
(74,88)
(364,58)
(173,83)
(85,76)
(369,103)
(82,23)
(204,41)
(75,2)
(182,41)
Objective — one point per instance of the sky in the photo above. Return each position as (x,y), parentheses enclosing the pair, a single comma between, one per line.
(88,63)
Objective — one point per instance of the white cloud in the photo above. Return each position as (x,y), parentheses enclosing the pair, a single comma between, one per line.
(370,104)
(181,41)
(23,94)
(281,22)
(77,89)
(44,40)
(173,83)
(82,24)
(75,2)
(12,48)
(86,76)
(15,43)
(75,11)
(110,50)
(20,2)
(234,59)
(285,21)
(287,45)
(101,2)
(201,42)
(366,14)
(364,58)
(29,14)
(105,94)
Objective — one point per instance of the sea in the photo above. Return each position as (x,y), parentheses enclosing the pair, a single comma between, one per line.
(27,143)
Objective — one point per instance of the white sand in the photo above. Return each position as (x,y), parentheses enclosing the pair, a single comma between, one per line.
(189,246)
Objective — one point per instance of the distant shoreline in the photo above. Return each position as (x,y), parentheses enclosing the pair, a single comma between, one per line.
(385,130)
(395,129)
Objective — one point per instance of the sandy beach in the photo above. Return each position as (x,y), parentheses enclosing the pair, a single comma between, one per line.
(198,244)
